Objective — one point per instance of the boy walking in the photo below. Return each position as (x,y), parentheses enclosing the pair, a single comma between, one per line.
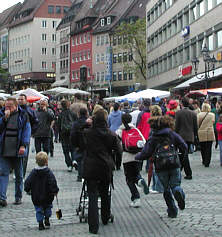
(43,186)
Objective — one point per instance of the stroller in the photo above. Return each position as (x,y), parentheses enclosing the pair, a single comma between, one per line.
(82,210)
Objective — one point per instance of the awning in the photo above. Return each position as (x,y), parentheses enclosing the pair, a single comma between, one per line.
(60,83)
(187,83)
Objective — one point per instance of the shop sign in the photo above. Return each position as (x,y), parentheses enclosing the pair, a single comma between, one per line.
(219,56)
(185,31)
(184,71)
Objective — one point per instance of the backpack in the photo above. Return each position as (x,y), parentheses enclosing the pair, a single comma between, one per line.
(166,155)
(66,122)
(132,140)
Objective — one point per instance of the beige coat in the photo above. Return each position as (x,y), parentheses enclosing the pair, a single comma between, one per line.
(206,129)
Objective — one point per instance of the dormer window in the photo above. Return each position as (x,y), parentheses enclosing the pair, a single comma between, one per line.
(108,20)
(102,22)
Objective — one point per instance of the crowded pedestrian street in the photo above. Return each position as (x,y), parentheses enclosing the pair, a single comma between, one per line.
(201,217)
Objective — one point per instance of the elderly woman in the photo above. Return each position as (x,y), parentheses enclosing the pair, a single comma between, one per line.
(205,121)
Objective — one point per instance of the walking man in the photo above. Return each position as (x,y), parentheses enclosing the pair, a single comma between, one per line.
(15,132)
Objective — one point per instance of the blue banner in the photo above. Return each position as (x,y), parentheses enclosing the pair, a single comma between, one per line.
(109,66)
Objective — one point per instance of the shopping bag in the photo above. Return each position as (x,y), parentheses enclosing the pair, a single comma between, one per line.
(58,211)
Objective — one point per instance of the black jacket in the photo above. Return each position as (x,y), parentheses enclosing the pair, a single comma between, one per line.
(100,143)
(43,186)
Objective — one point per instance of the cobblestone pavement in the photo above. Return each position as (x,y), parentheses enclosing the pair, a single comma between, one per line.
(201,218)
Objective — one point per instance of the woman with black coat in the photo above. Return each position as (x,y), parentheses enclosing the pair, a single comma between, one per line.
(98,167)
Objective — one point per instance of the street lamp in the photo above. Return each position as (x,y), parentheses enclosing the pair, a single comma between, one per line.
(209,64)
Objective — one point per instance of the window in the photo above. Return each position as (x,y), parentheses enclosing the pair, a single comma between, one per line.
(102,59)
(130,56)
(193,50)
(120,76)
(98,76)
(53,51)
(102,22)
(43,37)
(125,76)
(102,76)
(54,65)
(50,9)
(58,9)
(44,24)
(219,38)
(114,58)
(80,39)
(209,5)
(200,46)
(168,32)
(77,57)
(114,40)
(180,23)
(119,57)
(89,54)
(174,30)
(187,54)
(54,23)
(43,51)
(97,40)
(130,75)
(186,18)
(73,58)
(210,42)
(85,40)
(108,20)
(44,65)
(107,39)
(120,40)
(53,37)
(73,74)
(80,56)
(193,14)
(160,66)
(89,38)
(180,56)
(73,41)
(97,58)
(65,9)
(114,76)
(125,57)
(84,55)
(102,40)
(201,8)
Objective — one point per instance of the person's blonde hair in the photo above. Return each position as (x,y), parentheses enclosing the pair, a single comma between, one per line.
(155,110)
(205,107)
(41,158)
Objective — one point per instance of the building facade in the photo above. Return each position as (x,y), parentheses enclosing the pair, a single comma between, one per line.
(32,42)
(176,33)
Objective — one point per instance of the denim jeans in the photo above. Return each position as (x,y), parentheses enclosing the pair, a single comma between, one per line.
(220,145)
(25,160)
(5,165)
(171,180)
(42,142)
(157,185)
(132,173)
(42,212)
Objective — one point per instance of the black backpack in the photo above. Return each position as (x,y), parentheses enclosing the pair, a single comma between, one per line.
(166,155)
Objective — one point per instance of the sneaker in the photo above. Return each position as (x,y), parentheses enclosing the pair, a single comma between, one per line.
(75,164)
(70,169)
(17,201)
(3,203)
(135,203)
(41,226)
(153,191)
(188,177)
(180,200)
(47,223)
(142,184)
(172,215)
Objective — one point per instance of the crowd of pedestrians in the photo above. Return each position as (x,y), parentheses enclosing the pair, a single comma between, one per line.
(98,138)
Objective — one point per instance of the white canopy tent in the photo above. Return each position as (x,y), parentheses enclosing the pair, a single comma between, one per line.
(4,96)
(29,92)
(149,93)
(64,91)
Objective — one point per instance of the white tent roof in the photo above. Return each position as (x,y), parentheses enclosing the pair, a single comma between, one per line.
(4,95)
(149,93)
(65,91)
(29,92)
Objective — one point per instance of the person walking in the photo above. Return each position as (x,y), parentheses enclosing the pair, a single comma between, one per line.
(43,187)
(34,122)
(15,133)
(186,127)
(206,135)
(65,121)
(98,168)
(43,133)
(219,133)
(170,176)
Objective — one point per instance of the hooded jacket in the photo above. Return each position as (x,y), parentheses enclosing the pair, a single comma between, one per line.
(100,143)
(43,186)
(154,139)
(115,120)
(142,122)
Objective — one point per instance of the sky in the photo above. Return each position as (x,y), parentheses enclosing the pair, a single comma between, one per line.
(4,4)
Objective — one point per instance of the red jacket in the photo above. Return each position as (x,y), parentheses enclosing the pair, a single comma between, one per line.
(142,123)
(219,131)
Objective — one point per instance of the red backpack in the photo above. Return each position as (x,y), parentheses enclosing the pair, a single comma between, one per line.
(132,140)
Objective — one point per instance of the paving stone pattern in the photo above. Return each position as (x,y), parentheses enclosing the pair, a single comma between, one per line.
(201,218)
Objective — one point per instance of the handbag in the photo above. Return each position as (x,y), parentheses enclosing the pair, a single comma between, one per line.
(58,211)
(203,119)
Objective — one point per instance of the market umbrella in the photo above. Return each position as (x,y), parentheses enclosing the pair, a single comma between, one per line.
(32,99)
